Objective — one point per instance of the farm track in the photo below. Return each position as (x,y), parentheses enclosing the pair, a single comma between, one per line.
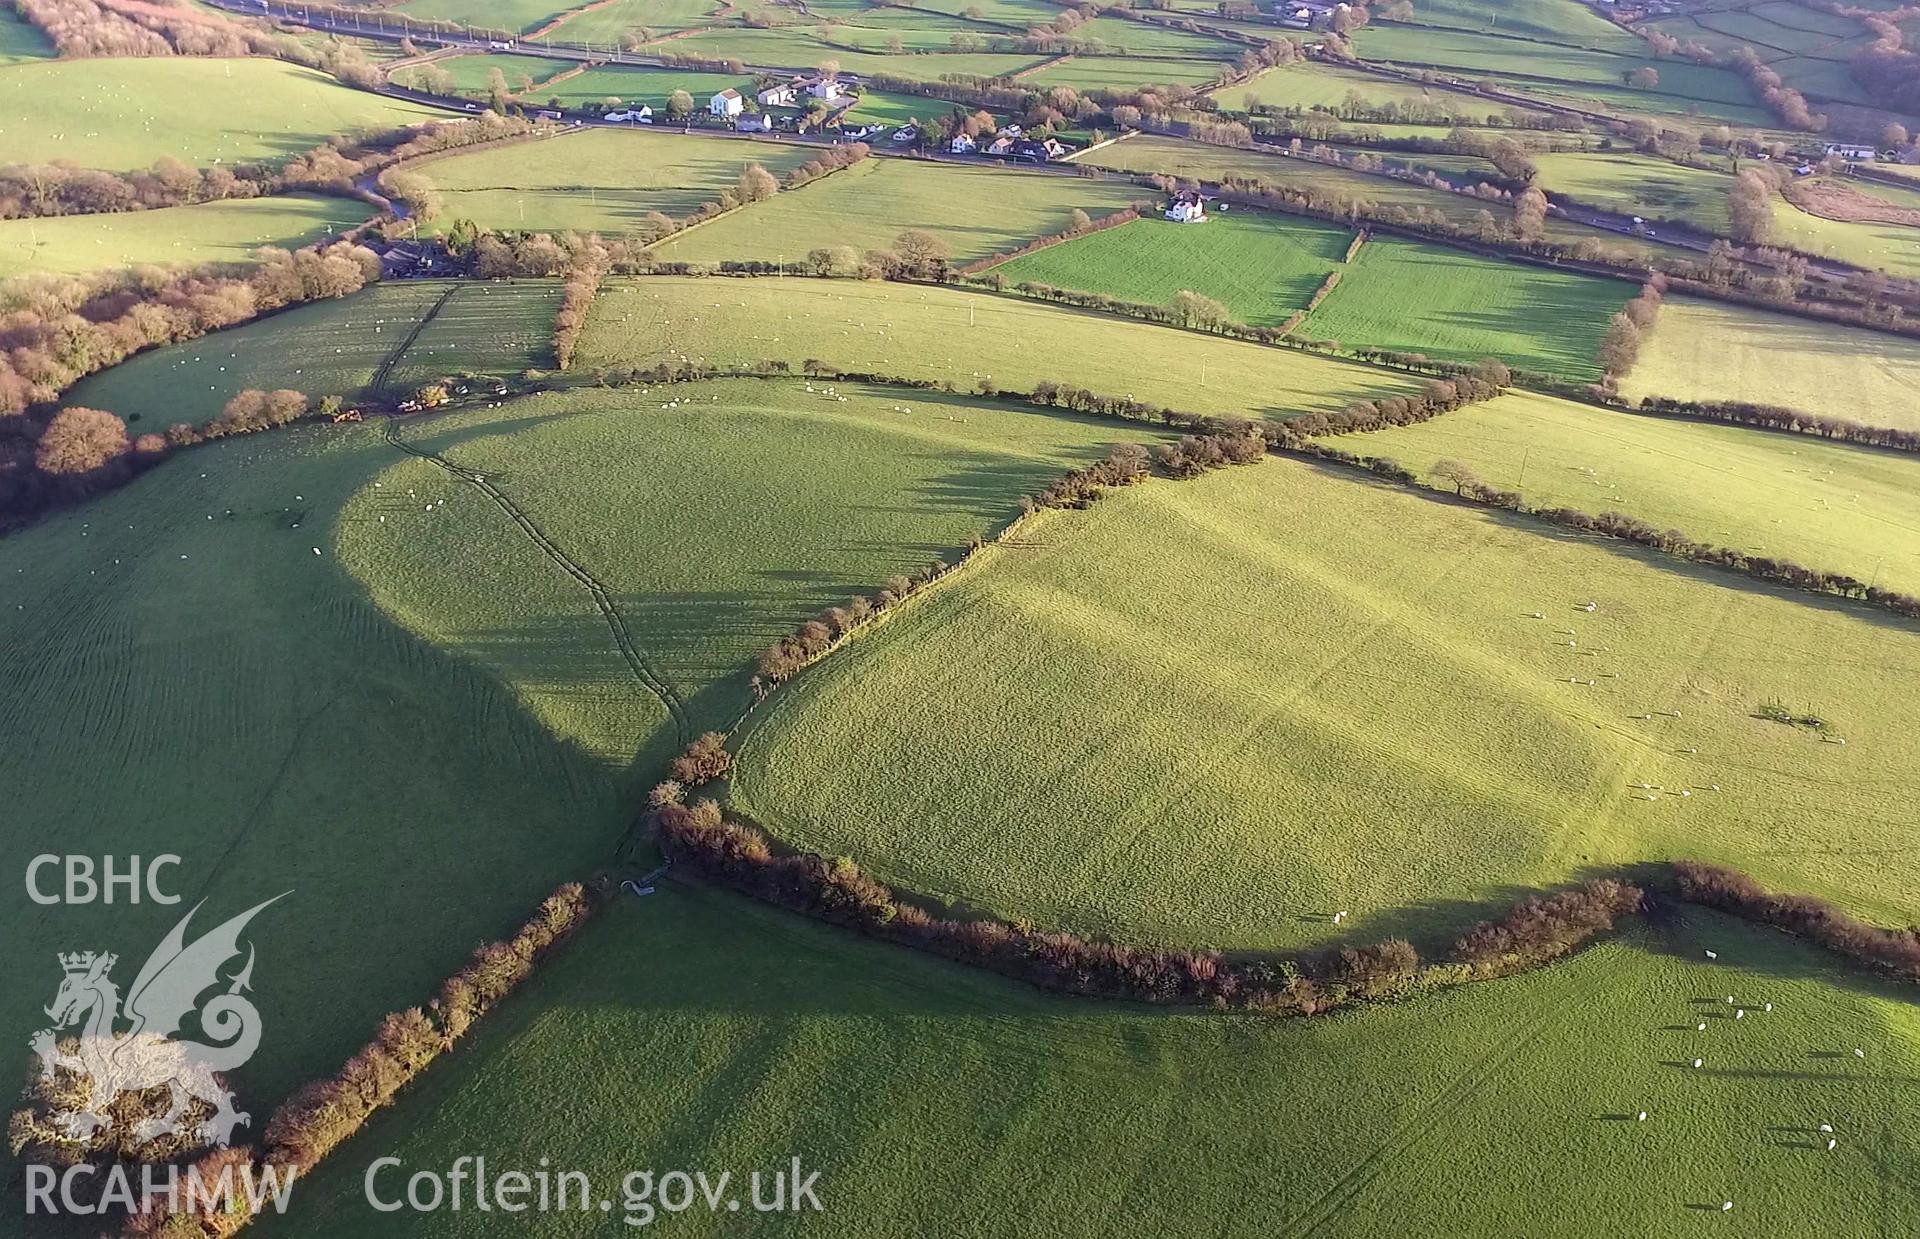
(644,671)
(378,385)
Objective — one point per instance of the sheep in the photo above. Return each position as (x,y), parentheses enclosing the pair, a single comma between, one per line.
(1769,1006)
(1726,1205)
(1831,1143)
(1856,1053)
(1713,955)
(1827,1128)
(1740,1013)
(1698,1061)
(1642,1117)
(1701,1026)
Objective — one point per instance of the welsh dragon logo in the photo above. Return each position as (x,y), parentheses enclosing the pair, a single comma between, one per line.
(166,990)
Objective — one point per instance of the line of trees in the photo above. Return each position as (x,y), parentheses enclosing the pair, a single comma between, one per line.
(59,330)
(1081,226)
(700,838)
(1628,328)
(1792,421)
(1891,952)
(319,1116)
(791,654)
(576,299)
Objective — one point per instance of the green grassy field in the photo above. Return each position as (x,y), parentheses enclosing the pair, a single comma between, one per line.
(590,467)
(1447,303)
(1262,267)
(634,86)
(1147,39)
(1704,350)
(471,74)
(1145,721)
(1317,85)
(185,675)
(607,23)
(754,1037)
(797,48)
(120,114)
(211,232)
(336,348)
(946,335)
(1557,21)
(599,180)
(879,108)
(20,40)
(1828,505)
(1643,185)
(1568,72)
(518,16)
(1173,157)
(868,205)
(1124,73)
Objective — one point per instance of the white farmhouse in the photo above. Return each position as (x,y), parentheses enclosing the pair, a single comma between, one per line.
(727,103)
(779,95)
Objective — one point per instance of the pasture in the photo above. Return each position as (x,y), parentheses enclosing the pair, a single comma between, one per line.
(516,16)
(1566,72)
(1313,84)
(962,338)
(758,1036)
(121,114)
(1123,72)
(1410,297)
(633,86)
(1554,21)
(790,47)
(471,74)
(340,347)
(1827,505)
(1706,350)
(1262,267)
(868,205)
(589,468)
(607,23)
(185,675)
(1641,185)
(1144,720)
(1172,157)
(598,180)
(222,232)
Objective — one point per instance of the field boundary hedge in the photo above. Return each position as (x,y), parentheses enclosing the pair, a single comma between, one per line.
(1126,215)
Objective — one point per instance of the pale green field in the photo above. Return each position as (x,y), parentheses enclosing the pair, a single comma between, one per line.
(802,48)
(719,1034)
(338,348)
(961,338)
(1313,84)
(1826,505)
(1410,297)
(868,205)
(174,236)
(1124,73)
(472,74)
(713,581)
(1262,267)
(125,113)
(608,22)
(1642,185)
(1153,153)
(1704,350)
(599,180)
(1219,711)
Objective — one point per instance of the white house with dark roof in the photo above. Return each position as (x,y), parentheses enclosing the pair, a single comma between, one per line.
(727,103)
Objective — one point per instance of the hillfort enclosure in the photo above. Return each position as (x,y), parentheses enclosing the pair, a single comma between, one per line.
(1147,617)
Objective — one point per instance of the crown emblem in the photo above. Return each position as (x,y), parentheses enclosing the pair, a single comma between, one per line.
(83,961)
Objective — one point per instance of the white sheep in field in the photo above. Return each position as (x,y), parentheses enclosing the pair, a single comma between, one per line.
(1827,1128)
